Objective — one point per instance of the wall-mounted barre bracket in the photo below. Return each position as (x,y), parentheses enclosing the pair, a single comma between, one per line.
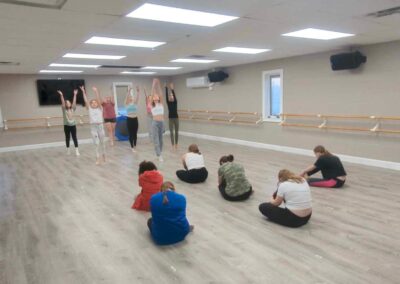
(5,124)
(323,124)
(376,127)
(230,120)
(48,121)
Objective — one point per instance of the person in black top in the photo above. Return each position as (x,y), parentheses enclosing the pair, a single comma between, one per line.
(331,168)
(172,104)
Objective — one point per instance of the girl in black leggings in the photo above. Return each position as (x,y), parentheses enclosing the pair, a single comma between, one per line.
(132,123)
(68,110)
(294,191)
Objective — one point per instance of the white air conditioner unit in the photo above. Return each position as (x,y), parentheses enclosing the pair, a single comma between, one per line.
(198,82)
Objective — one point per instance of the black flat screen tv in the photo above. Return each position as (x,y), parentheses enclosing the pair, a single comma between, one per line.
(47,91)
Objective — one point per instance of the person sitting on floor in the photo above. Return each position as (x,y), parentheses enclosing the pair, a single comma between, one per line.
(294,191)
(232,182)
(168,223)
(150,180)
(331,168)
(193,162)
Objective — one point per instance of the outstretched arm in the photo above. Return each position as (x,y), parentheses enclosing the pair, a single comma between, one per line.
(310,171)
(98,97)
(156,89)
(171,86)
(127,95)
(74,99)
(137,95)
(62,98)
(85,99)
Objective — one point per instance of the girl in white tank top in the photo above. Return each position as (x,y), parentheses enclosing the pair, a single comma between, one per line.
(96,124)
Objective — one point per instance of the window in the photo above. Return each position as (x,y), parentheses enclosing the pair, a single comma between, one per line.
(272,95)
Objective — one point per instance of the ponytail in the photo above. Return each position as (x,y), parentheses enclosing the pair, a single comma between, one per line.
(165,187)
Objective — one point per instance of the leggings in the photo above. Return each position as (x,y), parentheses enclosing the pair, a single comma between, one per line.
(282,216)
(132,124)
(331,183)
(241,197)
(150,125)
(174,125)
(193,175)
(70,130)
(157,132)
(97,131)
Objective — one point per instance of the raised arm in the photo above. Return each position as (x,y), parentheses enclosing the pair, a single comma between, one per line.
(127,95)
(74,99)
(98,97)
(85,99)
(172,88)
(137,95)
(62,98)
(156,89)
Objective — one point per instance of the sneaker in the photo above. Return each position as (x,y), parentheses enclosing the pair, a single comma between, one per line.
(77,152)
(68,151)
(160,158)
(133,150)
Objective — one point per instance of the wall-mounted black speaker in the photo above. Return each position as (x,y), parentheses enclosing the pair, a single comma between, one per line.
(349,60)
(217,76)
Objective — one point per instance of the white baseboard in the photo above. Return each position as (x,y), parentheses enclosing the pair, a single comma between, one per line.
(298,151)
(285,149)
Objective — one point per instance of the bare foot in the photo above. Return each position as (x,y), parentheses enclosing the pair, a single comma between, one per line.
(98,161)
(104,158)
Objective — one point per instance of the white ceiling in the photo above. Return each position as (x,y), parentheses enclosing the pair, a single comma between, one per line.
(36,37)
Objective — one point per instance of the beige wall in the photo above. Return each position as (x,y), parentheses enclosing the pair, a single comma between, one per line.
(309,86)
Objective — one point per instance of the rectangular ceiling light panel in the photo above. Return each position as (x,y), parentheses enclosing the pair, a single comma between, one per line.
(188,60)
(93,56)
(123,42)
(317,34)
(73,65)
(161,68)
(60,71)
(180,16)
(241,50)
(137,73)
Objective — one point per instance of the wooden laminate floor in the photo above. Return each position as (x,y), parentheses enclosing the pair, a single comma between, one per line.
(65,220)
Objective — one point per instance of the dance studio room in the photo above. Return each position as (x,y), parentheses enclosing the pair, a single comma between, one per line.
(199,141)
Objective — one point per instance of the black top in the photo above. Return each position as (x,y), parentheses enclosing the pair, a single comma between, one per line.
(330,166)
(172,106)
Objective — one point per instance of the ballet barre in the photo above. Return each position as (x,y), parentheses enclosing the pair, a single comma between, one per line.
(39,122)
(324,119)
(218,116)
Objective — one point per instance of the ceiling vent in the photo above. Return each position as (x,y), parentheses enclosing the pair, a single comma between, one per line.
(47,4)
(121,67)
(9,63)
(384,13)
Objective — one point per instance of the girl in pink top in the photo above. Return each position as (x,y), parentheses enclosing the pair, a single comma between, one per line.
(109,116)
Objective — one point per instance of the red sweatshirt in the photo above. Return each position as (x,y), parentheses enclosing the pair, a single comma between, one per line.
(150,182)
